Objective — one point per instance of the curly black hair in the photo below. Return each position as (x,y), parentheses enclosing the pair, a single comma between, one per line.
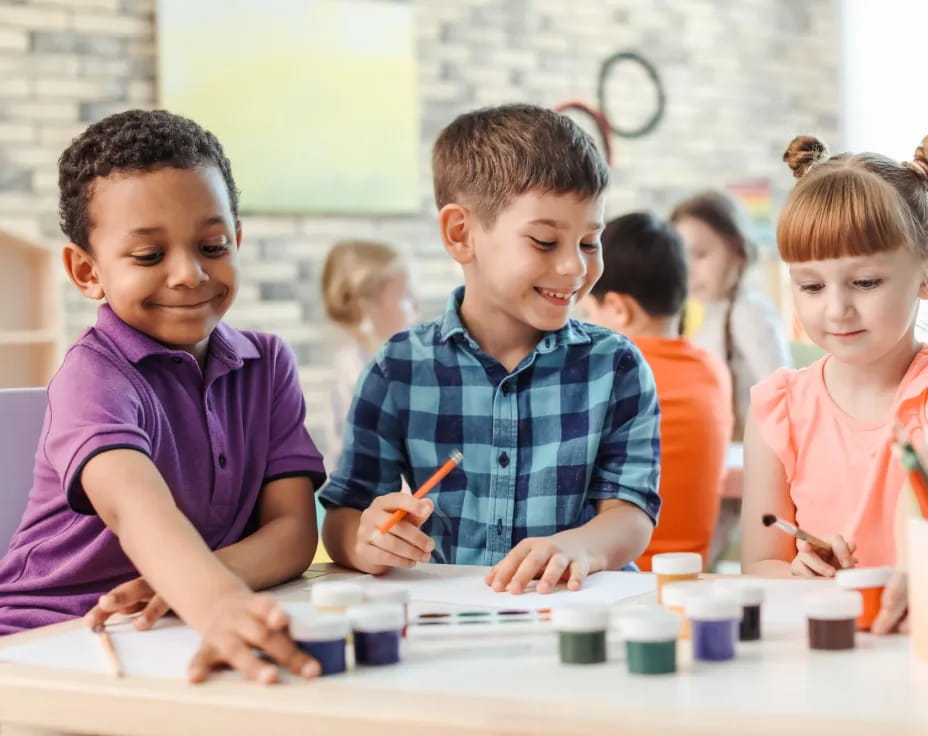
(134,140)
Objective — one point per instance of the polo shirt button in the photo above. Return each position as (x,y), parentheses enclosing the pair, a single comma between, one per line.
(499,527)
(222,460)
(209,405)
(503,459)
(177,360)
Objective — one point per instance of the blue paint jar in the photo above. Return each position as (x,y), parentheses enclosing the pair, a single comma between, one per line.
(374,593)
(322,636)
(377,628)
(713,626)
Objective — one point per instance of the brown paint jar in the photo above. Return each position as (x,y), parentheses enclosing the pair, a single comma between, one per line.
(832,619)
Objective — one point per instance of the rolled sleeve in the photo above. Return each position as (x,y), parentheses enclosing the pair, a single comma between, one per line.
(628,462)
(372,460)
(87,417)
(291,451)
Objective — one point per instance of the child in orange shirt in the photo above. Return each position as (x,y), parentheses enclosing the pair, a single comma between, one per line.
(641,294)
(818,443)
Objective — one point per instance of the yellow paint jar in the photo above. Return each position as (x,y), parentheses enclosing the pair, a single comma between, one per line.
(675,567)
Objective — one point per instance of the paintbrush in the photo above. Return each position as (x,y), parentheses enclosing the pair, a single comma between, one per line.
(109,651)
(795,531)
(918,480)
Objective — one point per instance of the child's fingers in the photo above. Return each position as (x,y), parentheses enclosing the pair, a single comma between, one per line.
(156,608)
(507,567)
(579,570)
(535,561)
(817,565)
(413,536)
(422,512)
(554,571)
(238,656)
(893,604)
(398,548)
(277,645)
(265,608)
(841,551)
(490,576)
(418,509)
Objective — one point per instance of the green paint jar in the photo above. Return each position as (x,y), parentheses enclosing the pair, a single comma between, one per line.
(651,641)
(582,633)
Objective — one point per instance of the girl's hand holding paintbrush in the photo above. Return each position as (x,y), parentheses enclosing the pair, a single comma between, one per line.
(815,556)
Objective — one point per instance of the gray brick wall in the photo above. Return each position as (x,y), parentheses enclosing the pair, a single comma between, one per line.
(742,77)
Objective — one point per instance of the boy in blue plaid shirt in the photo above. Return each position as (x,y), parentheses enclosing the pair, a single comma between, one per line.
(557,419)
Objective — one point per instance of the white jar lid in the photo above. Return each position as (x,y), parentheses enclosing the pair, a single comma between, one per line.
(377,594)
(337,593)
(713,607)
(374,617)
(675,594)
(677,563)
(320,627)
(746,591)
(656,624)
(834,605)
(580,618)
(856,578)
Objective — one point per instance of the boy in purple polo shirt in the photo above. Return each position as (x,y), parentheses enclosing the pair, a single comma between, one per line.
(173,469)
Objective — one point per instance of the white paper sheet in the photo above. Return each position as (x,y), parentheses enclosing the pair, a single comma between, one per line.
(463,585)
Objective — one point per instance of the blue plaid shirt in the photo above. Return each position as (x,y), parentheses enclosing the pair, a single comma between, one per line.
(575,422)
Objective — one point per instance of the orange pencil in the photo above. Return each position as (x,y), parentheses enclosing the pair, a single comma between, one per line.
(453,459)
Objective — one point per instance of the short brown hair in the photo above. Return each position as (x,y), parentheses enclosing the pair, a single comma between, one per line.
(487,157)
(355,270)
(852,204)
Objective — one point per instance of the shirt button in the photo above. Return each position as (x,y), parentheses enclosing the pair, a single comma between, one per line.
(503,459)
(505,389)
(222,461)
(499,527)
(209,405)
(177,360)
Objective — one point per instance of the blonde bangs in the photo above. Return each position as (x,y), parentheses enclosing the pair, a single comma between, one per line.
(845,212)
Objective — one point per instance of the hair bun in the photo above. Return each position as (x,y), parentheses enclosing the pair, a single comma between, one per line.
(802,152)
(919,162)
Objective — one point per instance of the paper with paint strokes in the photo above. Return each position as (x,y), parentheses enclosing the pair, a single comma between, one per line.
(464,585)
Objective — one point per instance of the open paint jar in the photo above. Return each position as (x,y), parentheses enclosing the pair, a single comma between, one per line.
(377,628)
(750,595)
(650,636)
(335,596)
(322,636)
(833,618)
(869,582)
(713,621)
(581,633)
(673,567)
(675,596)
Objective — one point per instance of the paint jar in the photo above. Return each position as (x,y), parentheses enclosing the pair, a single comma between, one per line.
(375,594)
(335,596)
(673,567)
(675,595)
(869,582)
(750,595)
(651,640)
(713,621)
(833,618)
(323,636)
(377,628)
(581,633)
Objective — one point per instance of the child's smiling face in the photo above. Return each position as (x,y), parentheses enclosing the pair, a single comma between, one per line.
(163,252)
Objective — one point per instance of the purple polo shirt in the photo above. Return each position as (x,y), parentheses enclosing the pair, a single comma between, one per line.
(217,438)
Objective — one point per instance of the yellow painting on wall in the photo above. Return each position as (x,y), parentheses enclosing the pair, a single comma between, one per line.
(314,101)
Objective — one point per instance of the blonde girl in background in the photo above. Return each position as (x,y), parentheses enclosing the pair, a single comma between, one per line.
(367,292)
(740,325)
(818,446)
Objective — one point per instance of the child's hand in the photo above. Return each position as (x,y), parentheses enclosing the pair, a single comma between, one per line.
(550,558)
(131,597)
(404,545)
(894,606)
(813,562)
(245,623)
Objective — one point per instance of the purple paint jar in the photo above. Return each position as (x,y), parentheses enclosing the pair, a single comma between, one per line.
(322,636)
(713,626)
(377,628)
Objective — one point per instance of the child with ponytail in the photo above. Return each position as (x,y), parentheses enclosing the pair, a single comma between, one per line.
(818,445)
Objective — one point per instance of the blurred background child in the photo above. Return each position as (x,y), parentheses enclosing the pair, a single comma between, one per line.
(641,294)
